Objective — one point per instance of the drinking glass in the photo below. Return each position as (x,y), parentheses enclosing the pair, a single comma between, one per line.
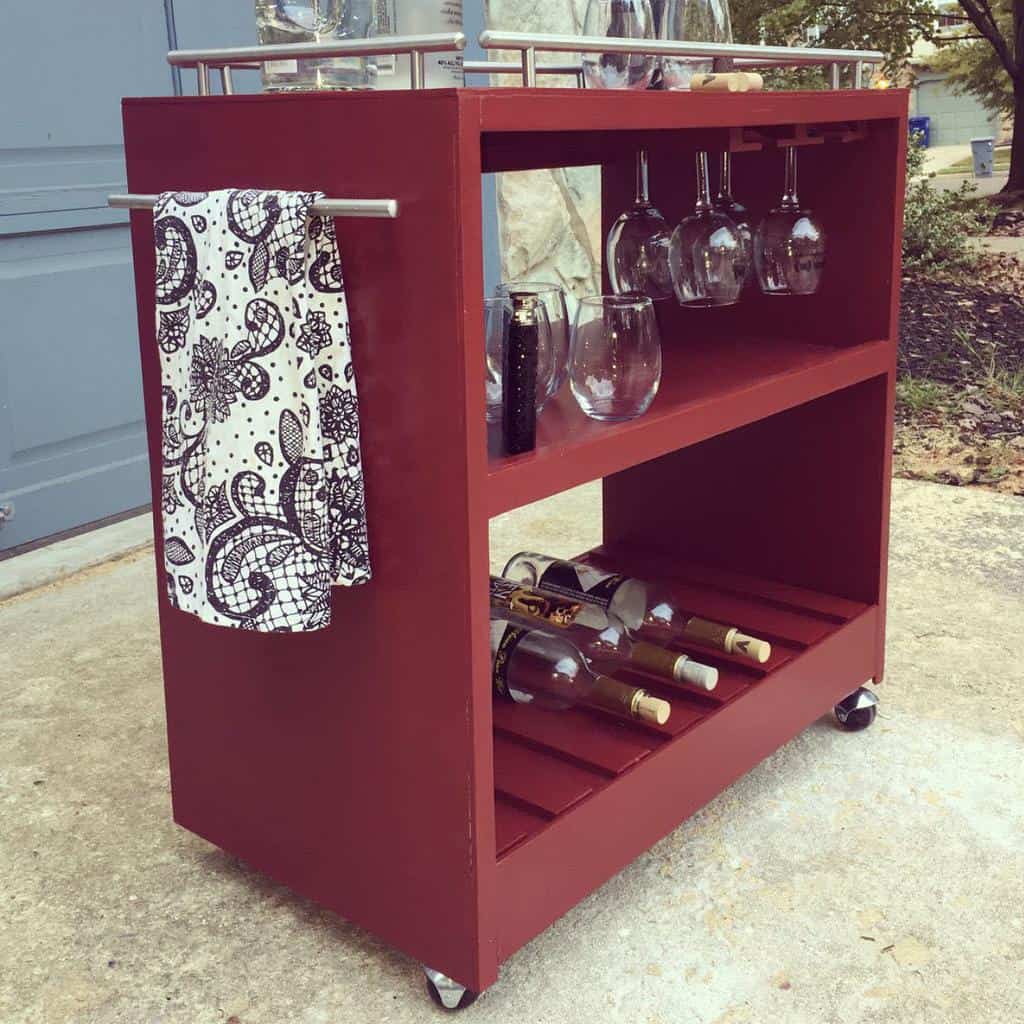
(629,19)
(615,359)
(637,248)
(311,21)
(736,212)
(552,297)
(497,317)
(695,21)
(706,256)
(789,246)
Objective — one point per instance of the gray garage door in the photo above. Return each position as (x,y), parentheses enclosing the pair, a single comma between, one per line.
(955,119)
(72,440)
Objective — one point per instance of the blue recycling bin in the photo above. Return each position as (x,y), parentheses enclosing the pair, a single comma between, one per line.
(922,128)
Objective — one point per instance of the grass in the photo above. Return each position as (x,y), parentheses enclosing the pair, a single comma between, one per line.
(966,166)
(921,395)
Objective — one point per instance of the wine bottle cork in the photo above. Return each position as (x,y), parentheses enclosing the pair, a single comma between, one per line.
(672,665)
(750,647)
(652,709)
(693,672)
(610,693)
(728,639)
(730,81)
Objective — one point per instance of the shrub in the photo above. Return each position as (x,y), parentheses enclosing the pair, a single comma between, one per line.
(937,225)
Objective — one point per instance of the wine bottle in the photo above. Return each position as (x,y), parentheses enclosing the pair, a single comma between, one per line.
(530,667)
(519,375)
(597,635)
(648,612)
(416,17)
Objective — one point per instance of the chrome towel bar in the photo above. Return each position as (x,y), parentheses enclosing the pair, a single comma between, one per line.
(380,208)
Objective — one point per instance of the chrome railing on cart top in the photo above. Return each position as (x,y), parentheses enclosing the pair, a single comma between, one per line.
(528,46)
(250,57)
(725,55)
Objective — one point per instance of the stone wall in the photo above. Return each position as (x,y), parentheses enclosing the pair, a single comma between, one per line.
(550,220)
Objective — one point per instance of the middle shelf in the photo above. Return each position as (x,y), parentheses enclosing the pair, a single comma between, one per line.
(707,387)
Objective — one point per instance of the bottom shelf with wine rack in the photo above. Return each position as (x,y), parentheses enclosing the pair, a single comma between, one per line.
(564,781)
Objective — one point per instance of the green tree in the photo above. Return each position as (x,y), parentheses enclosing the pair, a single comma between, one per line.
(973,66)
(892,26)
(993,39)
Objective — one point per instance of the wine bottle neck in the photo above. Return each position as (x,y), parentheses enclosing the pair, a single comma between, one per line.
(610,693)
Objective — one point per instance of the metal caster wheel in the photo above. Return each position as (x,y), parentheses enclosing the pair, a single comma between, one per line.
(857,711)
(448,994)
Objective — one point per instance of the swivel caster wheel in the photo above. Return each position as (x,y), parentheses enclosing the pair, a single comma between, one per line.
(447,993)
(858,711)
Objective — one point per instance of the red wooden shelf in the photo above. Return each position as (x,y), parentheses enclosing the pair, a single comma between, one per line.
(707,387)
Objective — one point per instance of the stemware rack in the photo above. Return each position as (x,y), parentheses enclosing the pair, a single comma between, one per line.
(366,766)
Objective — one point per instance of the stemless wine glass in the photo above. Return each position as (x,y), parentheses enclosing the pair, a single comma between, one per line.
(629,19)
(497,318)
(695,21)
(736,212)
(706,255)
(552,296)
(637,247)
(615,360)
(789,246)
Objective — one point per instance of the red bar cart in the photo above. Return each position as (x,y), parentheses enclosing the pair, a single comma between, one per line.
(366,766)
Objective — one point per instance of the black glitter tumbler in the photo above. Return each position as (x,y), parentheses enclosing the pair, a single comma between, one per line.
(519,376)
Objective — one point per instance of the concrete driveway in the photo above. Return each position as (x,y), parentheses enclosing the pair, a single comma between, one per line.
(850,878)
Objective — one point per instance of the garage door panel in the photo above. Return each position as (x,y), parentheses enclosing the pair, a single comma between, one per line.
(71,348)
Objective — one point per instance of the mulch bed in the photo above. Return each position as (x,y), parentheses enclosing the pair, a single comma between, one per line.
(966,336)
(1008,223)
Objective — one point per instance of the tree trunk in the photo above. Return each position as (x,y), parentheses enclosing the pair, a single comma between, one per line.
(1015,183)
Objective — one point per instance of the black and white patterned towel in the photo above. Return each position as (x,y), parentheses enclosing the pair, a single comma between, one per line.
(263,504)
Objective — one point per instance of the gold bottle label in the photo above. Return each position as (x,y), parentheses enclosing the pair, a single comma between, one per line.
(550,609)
(510,638)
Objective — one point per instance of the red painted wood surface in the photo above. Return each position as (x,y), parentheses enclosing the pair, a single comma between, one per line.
(709,385)
(354,764)
(358,765)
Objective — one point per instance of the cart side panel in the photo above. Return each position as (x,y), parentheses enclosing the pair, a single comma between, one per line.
(341,763)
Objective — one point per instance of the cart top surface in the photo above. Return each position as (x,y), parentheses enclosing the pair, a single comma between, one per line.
(551,109)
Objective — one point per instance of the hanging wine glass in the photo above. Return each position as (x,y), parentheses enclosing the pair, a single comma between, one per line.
(706,254)
(789,246)
(736,212)
(695,21)
(638,243)
(552,297)
(629,19)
